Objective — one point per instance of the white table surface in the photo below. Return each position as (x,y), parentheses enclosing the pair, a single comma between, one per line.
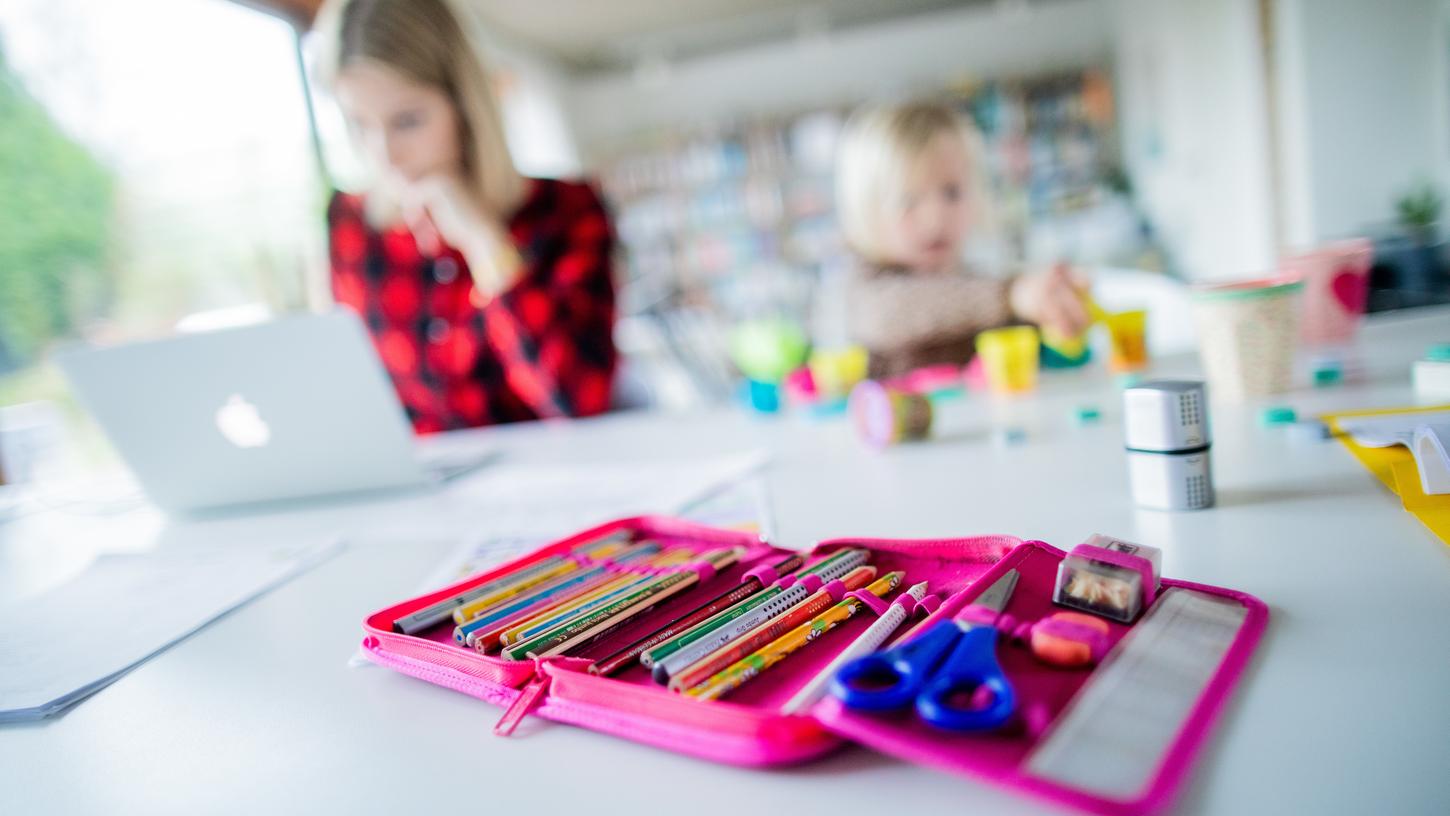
(1345,708)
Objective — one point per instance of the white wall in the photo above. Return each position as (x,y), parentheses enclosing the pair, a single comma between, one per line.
(843,67)
(1362,89)
(1195,130)
(534,97)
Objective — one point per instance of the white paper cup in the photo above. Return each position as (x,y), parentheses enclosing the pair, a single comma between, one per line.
(1247,336)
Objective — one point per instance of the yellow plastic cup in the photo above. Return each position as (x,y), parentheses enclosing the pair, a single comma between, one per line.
(836,371)
(1128,332)
(1009,358)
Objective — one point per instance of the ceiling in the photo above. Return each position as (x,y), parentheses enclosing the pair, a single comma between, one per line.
(602,35)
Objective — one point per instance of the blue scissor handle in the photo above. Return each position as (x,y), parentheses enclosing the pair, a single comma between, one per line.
(946,700)
(893,678)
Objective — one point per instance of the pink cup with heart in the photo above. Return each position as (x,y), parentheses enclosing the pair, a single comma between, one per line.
(1336,286)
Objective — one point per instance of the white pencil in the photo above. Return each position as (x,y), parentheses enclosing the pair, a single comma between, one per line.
(869,641)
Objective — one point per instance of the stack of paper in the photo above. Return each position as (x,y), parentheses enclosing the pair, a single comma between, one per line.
(64,645)
(1427,435)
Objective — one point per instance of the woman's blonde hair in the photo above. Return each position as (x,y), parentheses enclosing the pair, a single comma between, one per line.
(878,149)
(424,41)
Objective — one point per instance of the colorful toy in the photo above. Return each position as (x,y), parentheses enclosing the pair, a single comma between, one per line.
(836,371)
(885,416)
(1009,358)
(1127,332)
(767,350)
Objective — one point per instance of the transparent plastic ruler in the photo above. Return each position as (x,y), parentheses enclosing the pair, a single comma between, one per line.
(1114,734)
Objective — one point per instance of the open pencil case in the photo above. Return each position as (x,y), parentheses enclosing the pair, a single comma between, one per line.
(1037,754)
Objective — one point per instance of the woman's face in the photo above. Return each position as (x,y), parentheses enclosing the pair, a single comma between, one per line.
(930,221)
(407,129)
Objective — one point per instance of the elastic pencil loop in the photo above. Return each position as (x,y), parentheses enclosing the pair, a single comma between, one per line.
(765,574)
(704,570)
(1013,628)
(873,601)
(787,581)
(910,604)
(812,582)
(930,603)
(836,589)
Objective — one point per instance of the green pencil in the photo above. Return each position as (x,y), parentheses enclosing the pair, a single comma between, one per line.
(705,627)
(585,629)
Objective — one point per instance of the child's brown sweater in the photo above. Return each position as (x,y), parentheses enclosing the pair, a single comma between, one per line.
(907,320)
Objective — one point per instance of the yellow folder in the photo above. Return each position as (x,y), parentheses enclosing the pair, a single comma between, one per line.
(1396,468)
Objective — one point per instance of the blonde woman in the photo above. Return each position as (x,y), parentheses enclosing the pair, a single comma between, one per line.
(910,197)
(489,295)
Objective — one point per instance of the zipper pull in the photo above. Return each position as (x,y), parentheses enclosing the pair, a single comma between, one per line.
(528,700)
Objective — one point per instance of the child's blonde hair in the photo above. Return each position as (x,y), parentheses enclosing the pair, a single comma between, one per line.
(424,41)
(878,148)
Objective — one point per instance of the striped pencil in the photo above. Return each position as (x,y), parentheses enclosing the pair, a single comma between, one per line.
(629,655)
(784,600)
(743,671)
(749,642)
(833,565)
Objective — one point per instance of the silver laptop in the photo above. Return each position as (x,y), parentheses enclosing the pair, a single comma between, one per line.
(291,408)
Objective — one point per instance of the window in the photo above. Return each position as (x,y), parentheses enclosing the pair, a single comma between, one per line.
(156,169)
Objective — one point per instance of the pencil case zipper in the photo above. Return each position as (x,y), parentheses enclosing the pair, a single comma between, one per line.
(451,668)
(719,731)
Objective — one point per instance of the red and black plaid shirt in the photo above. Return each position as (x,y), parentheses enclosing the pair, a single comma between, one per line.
(543,348)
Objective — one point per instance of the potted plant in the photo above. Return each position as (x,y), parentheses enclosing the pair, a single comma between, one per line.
(1418,213)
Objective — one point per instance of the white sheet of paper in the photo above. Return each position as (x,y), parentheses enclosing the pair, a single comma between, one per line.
(50,657)
(1426,434)
(1389,429)
(1431,448)
(519,507)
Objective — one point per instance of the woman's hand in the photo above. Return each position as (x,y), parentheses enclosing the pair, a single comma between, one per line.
(439,211)
(1052,299)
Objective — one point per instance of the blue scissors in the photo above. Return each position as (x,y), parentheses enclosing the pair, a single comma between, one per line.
(943,671)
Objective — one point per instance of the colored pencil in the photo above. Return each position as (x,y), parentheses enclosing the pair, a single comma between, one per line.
(743,671)
(552,592)
(488,638)
(868,642)
(440,611)
(665,669)
(582,631)
(624,582)
(747,643)
(830,563)
(520,581)
(629,655)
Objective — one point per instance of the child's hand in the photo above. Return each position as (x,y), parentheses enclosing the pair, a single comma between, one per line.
(1052,299)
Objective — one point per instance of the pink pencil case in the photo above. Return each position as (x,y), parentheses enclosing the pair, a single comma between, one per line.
(748,727)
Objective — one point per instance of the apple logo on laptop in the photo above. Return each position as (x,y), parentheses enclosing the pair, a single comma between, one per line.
(241,424)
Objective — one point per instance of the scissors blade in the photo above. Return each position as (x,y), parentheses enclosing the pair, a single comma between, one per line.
(996,596)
